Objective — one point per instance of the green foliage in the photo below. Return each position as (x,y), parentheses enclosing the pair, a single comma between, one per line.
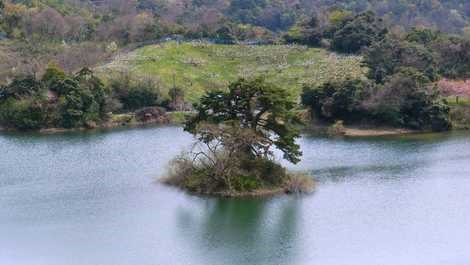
(63,86)
(407,99)
(306,33)
(21,86)
(138,98)
(453,56)
(255,104)
(430,52)
(265,170)
(274,15)
(358,33)
(338,100)
(336,129)
(388,56)
(73,105)
(245,183)
(460,116)
(72,101)
(138,95)
(225,34)
(423,36)
(53,76)
(23,114)
(347,33)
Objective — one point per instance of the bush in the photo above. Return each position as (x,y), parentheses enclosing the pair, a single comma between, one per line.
(266,170)
(453,57)
(460,116)
(24,114)
(138,98)
(82,101)
(136,94)
(53,75)
(408,99)
(300,183)
(246,183)
(338,100)
(388,56)
(21,86)
(358,33)
(336,129)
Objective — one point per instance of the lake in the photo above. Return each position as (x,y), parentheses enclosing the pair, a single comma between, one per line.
(91,198)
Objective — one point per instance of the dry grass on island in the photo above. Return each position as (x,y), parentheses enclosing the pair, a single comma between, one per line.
(235,177)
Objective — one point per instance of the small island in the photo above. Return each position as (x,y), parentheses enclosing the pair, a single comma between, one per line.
(237,131)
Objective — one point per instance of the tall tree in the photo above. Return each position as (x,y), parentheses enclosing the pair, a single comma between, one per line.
(253,104)
(358,33)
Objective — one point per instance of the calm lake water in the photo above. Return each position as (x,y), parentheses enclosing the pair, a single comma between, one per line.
(91,199)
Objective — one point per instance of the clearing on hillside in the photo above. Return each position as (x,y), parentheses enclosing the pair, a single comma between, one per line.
(197,67)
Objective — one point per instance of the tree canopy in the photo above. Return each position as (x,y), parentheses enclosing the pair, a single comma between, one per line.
(256,105)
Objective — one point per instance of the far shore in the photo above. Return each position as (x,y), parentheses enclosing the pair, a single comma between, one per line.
(170,119)
(367,132)
(348,131)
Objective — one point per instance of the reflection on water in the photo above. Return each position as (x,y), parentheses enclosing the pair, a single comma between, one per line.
(91,198)
(263,232)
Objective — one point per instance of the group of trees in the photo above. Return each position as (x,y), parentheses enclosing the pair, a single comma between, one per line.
(406,99)
(22,20)
(55,100)
(402,73)
(432,52)
(445,15)
(129,21)
(70,101)
(341,31)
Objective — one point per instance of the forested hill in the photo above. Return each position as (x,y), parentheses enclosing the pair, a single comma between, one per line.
(79,33)
(275,15)
(445,15)
(135,20)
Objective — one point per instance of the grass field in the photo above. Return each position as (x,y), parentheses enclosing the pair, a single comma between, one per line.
(197,67)
(460,101)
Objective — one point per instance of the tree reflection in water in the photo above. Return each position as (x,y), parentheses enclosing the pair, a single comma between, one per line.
(244,231)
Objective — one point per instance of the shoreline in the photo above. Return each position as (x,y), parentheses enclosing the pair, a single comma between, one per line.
(56,130)
(348,131)
(171,120)
(360,131)
(371,132)
(258,193)
(295,185)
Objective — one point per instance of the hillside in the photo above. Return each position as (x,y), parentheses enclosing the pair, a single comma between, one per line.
(76,34)
(195,66)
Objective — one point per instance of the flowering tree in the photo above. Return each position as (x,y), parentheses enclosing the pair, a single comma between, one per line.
(455,88)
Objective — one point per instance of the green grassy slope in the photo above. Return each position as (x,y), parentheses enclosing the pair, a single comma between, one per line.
(198,67)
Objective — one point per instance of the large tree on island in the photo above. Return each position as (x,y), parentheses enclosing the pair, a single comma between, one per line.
(253,104)
(237,131)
